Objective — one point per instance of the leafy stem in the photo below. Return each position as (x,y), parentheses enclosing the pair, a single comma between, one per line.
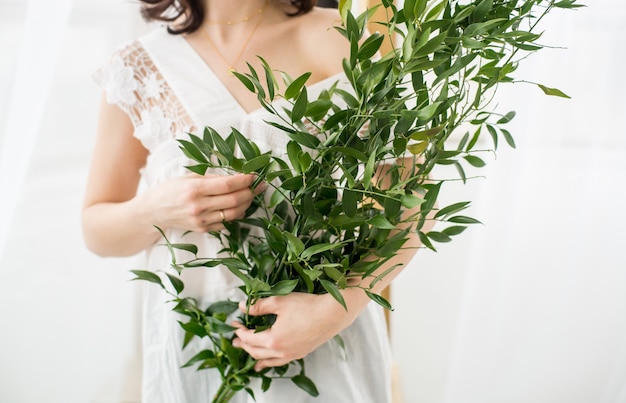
(340,207)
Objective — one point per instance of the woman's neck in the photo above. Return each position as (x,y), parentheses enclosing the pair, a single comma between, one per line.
(234,12)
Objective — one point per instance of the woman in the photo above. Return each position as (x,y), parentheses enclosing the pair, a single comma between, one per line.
(178,80)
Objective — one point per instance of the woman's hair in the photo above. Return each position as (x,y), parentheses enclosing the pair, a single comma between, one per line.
(189,14)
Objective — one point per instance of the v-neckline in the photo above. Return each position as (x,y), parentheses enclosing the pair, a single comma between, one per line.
(224,89)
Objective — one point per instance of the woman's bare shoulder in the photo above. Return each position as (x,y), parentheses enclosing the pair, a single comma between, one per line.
(323,43)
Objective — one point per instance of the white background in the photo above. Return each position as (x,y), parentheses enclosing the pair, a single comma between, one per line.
(529,307)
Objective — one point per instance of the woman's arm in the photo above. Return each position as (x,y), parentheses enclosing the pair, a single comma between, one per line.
(119,222)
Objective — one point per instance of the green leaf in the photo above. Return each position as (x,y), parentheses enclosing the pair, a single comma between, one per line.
(305,161)
(276,198)
(187,339)
(553,91)
(304,276)
(567,4)
(317,109)
(319,248)
(300,106)
(380,300)
(189,247)
(506,118)
(306,384)
(426,134)
(494,135)
(411,201)
(147,276)
(368,174)
(247,149)
(296,86)
(176,283)
(430,46)
(256,164)
(454,230)
(284,287)
(294,183)
(333,273)
(481,10)
(409,10)
(472,43)
(225,307)
(244,278)
(265,383)
(463,220)
(200,169)
(218,326)
(201,356)
(426,113)
(391,247)
(508,137)
(370,46)
(245,80)
(294,244)
(305,139)
(438,236)
(334,292)
(350,201)
(350,152)
(270,80)
(431,196)
(222,146)
(436,10)
(451,209)
(194,328)
(381,222)
(420,7)
(475,161)
(417,148)
(192,151)
(259,286)
(313,274)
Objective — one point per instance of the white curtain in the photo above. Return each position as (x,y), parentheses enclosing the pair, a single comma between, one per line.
(68,320)
(528,307)
(531,307)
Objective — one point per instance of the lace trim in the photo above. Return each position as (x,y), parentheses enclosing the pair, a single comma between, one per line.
(132,81)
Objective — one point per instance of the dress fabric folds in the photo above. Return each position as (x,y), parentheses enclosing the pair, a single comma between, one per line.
(168,90)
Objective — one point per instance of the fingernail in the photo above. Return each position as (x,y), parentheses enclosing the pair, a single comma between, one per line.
(236,343)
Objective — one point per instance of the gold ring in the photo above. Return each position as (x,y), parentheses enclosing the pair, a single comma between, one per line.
(222,215)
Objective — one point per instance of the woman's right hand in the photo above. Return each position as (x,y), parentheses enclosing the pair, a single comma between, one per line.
(199,203)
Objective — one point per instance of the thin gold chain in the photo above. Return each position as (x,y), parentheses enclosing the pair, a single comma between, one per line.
(231,66)
(244,19)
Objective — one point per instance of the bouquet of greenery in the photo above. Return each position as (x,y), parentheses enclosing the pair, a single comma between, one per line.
(341,206)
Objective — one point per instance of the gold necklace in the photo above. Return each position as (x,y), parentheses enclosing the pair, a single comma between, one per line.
(230,65)
(244,19)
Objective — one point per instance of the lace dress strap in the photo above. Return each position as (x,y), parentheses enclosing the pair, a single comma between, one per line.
(132,81)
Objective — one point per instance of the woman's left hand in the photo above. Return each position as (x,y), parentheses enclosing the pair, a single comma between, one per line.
(303,323)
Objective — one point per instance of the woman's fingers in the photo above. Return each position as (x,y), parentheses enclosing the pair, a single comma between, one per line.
(226,184)
(218,199)
(260,347)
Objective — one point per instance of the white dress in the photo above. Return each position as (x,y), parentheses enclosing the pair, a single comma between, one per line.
(168,90)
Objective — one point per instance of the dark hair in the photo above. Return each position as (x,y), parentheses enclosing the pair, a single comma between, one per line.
(192,12)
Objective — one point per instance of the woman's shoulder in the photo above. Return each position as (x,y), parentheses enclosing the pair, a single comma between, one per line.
(319,20)
(321,41)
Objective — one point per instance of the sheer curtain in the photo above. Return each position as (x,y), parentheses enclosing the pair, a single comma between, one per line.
(68,324)
(530,307)
(526,308)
